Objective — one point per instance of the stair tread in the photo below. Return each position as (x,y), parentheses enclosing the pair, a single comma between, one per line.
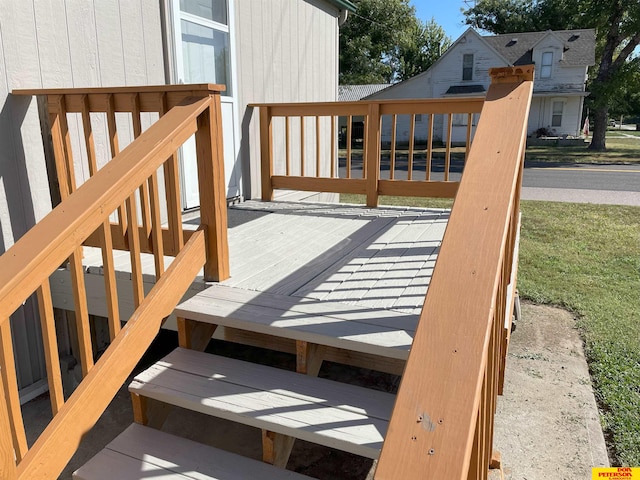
(145,453)
(338,415)
(378,331)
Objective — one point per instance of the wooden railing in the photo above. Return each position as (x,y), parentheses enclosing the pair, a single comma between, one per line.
(290,160)
(442,423)
(84,215)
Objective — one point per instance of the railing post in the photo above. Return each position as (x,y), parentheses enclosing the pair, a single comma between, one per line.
(373,154)
(211,185)
(266,152)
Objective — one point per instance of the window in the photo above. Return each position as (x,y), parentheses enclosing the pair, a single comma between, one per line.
(467,66)
(556,115)
(204,36)
(547,61)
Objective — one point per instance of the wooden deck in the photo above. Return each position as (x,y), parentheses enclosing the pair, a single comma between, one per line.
(348,272)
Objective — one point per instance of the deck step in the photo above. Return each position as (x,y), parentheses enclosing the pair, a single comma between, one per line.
(376,331)
(345,417)
(145,453)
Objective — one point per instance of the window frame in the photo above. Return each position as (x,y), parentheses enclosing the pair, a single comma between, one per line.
(467,71)
(546,68)
(555,115)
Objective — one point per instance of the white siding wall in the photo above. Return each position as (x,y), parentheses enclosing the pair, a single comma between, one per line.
(542,110)
(59,43)
(287,51)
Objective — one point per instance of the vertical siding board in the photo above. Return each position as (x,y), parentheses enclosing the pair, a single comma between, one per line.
(53,44)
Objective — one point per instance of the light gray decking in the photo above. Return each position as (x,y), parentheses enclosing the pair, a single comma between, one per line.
(344,262)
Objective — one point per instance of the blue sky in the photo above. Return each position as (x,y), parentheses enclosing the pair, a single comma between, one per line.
(446,13)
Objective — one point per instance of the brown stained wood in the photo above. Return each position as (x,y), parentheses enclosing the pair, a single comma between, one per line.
(333,147)
(59,134)
(266,153)
(149,96)
(45,247)
(212,190)
(149,412)
(115,149)
(276,448)
(8,469)
(349,140)
(447,155)
(58,442)
(318,146)
(412,131)
(316,109)
(134,251)
(309,357)
(418,188)
(302,146)
(429,147)
(371,164)
(194,335)
(10,389)
(50,343)
(332,354)
(143,191)
(392,165)
(287,143)
(157,243)
(121,243)
(430,106)
(88,135)
(311,184)
(172,192)
(81,311)
(451,342)
(496,460)
(468,142)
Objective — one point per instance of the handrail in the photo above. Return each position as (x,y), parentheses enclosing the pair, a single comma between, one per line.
(290,137)
(27,265)
(442,423)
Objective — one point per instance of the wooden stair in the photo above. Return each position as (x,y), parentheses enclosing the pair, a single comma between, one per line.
(142,452)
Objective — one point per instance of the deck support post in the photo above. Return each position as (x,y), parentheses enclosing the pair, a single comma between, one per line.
(309,357)
(212,189)
(194,335)
(266,153)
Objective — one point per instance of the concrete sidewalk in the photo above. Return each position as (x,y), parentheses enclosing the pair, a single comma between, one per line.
(574,195)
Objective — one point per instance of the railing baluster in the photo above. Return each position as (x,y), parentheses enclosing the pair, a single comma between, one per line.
(49,340)
(392,160)
(10,388)
(133,236)
(81,311)
(371,155)
(144,188)
(317,146)
(302,146)
(156,225)
(287,141)
(447,155)
(62,146)
(106,242)
(8,469)
(412,130)
(468,144)
(349,140)
(429,147)
(333,146)
(172,189)
(115,149)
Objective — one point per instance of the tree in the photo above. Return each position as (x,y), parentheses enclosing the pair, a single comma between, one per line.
(617,24)
(425,45)
(384,41)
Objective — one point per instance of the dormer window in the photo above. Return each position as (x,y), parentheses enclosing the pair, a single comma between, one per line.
(467,66)
(547,62)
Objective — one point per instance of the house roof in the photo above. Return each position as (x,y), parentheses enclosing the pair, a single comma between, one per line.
(465,89)
(343,4)
(351,93)
(579,46)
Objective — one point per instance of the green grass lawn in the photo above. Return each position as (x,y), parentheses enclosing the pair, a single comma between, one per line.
(586,258)
(619,150)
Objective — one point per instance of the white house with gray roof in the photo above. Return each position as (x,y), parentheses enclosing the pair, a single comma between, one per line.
(561,60)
